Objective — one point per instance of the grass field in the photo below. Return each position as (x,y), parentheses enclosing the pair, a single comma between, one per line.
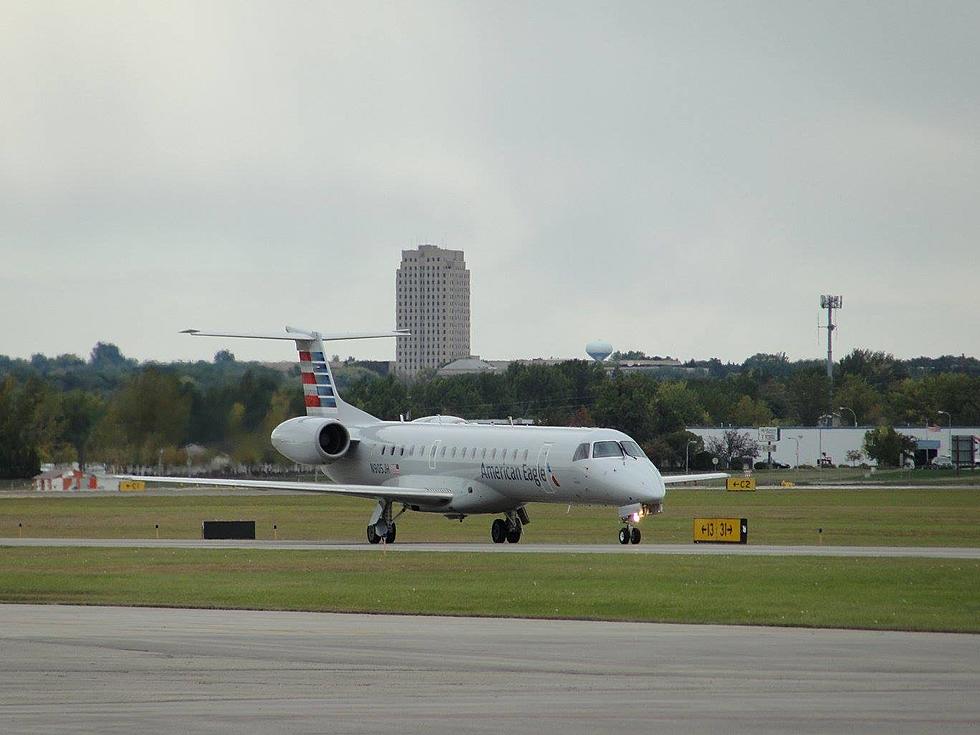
(905,594)
(912,517)
(856,475)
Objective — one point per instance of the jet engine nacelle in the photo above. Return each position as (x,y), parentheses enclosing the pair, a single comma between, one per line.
(311,439)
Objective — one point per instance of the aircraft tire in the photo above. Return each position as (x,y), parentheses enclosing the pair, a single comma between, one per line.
(635,536)
(498,531)
(372,535)
(624,535)
(390,536)
(514,536)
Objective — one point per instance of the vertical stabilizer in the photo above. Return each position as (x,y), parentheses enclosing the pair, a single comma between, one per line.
(319,389)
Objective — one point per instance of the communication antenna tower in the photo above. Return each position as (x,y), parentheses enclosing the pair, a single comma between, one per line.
(830,303)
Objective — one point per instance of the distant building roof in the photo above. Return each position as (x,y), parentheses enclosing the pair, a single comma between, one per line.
(466,365)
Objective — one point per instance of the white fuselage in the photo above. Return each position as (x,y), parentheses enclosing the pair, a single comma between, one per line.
(494,468)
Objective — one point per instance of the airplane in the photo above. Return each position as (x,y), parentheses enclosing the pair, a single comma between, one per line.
(446,465)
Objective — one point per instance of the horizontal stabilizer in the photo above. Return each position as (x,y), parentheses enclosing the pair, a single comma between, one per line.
(293,334)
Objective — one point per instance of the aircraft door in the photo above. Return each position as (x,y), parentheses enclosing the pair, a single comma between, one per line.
(433,453)
(548,481)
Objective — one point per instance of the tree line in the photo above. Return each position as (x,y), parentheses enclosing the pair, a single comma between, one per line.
(113,409)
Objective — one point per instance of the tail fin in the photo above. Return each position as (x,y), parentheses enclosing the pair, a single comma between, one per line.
(319,389)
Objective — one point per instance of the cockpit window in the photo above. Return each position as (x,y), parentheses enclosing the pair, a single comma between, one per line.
(633,450)
(581,452)
(606,449)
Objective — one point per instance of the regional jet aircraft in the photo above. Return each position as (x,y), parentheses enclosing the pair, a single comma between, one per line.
(442,464)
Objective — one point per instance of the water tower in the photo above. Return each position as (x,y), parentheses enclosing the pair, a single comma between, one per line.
(599,349)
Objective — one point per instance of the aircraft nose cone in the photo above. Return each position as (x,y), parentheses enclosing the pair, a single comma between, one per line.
(657,487)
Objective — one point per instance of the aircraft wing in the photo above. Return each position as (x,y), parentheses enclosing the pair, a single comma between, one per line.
(409,495)
(674,479)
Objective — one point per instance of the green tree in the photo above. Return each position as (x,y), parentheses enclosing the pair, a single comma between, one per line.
(107,355)
(80,412)
(628,403)
(886,446)
(749,412)
(809,393)
(763,366)
(150,412)
(28,426)
(880,369)
(856,393)
(677,407)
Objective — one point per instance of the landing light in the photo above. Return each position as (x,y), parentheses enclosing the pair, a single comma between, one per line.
(636,518)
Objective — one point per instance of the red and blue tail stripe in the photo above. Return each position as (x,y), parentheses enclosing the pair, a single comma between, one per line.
(318,387)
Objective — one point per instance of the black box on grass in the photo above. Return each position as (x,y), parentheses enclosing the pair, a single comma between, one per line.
(228,529)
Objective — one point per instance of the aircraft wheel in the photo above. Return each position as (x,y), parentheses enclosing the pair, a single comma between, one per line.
(635,536)
(390,536)
(514,536)
(624,535)
(372,535)
(498,531)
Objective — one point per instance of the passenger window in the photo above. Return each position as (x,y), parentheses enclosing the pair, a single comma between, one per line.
(493,453)
(581,452)
(525,455)
(411,451)
(442,452)
(483,453)
(384,449)
(607,449)
(453,453)
(401,451)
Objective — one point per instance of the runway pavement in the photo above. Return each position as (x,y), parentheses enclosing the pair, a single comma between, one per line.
(922,552)
(124,670)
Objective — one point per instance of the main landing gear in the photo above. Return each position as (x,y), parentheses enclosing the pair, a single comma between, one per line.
(629,535)
(509,530)
(376,538)
(381,527)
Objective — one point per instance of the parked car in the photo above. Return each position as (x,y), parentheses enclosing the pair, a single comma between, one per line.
(941,463)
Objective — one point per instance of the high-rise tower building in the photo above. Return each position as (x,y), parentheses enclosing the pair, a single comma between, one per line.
(432,301)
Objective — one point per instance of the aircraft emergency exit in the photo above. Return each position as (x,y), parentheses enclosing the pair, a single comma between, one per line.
(442,464)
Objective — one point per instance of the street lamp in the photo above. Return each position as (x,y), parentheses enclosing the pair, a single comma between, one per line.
(687,450)
(845,408)
(797,440)
(949,418)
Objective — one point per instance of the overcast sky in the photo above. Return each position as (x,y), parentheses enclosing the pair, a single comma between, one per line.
(682,178)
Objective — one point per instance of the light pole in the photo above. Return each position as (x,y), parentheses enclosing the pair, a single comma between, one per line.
(797,440)
(949,418)
(845,408)
(687,451)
